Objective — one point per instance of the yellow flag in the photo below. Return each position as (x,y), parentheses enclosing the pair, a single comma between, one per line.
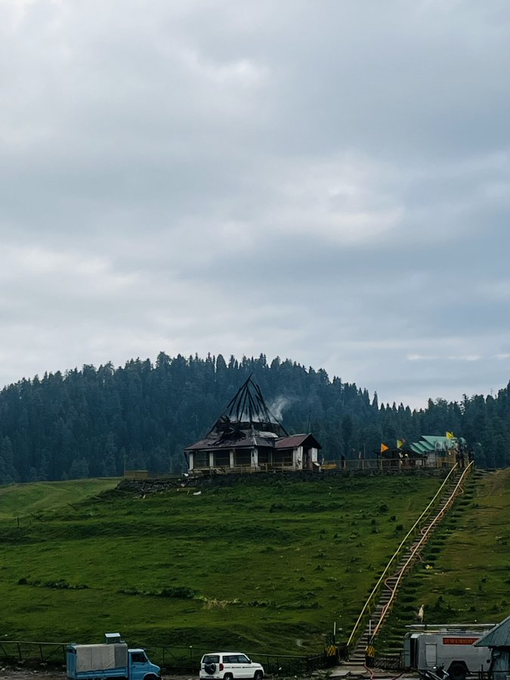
(450,435)
(400,443)
(384,448)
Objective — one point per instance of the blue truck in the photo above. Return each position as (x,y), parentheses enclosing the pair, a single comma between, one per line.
(110,660)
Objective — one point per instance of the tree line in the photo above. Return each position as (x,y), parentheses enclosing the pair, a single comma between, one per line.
(100,421)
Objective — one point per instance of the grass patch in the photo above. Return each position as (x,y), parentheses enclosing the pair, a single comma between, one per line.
(257,566)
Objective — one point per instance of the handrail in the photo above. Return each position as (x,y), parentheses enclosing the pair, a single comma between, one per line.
(395,555)
(418,546)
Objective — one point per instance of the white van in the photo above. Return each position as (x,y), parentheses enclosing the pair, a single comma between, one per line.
(229,666)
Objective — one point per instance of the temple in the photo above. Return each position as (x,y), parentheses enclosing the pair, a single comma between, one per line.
(247,437)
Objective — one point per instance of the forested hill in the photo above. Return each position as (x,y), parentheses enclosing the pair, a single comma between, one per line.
(92,422)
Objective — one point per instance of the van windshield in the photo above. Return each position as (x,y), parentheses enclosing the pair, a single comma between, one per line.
(211,658)
(138,657)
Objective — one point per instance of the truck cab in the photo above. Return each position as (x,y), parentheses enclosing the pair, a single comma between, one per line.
(140,667)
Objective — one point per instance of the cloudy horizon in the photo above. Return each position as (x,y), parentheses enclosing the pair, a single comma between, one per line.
(327,182)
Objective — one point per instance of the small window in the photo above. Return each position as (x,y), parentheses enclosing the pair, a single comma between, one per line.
(138,657)
(264,456)
(211,658)
(242,659)
(200,459)
(242,457)
(430,654)
(230,659)
(222,458)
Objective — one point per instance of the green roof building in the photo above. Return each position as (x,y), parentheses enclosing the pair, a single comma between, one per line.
(439,451)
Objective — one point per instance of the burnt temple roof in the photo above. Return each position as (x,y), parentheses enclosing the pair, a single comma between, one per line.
(246,421)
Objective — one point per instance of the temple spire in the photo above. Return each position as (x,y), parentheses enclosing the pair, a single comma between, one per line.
(249,408)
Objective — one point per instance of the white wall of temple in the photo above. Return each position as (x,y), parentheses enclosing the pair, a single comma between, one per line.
(297,458)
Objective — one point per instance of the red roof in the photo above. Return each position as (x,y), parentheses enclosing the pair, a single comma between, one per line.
(296,440)
(258,440)
(247,442)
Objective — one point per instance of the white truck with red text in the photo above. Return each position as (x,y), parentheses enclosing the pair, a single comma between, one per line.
(450,647)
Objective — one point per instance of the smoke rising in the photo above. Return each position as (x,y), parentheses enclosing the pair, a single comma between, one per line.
(278,405)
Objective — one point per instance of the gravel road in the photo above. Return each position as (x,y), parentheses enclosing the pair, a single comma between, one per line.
(16,673)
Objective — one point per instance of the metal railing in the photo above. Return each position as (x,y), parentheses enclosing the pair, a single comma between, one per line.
(173,659)
(242,469)
(419,545)
(365,612)
(42,652)
(187,660)
(348,465)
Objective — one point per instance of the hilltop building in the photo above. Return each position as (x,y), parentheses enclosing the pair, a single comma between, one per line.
(247,437)
(439,451)
(429,451)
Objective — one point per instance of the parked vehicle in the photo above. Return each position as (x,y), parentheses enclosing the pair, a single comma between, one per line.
(229,666)
(449,648)
(110,660)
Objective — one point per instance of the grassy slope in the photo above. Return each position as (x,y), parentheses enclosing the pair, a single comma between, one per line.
(271,566)
(23,500)
(464,577)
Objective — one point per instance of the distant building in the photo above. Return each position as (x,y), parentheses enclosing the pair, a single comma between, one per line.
(248,438)
(439,451)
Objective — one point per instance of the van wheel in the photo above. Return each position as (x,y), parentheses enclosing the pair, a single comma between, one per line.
(258,675)
(151,676)
(228,676)
(457,671)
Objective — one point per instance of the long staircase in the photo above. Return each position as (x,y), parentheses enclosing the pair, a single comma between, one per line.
(384,593)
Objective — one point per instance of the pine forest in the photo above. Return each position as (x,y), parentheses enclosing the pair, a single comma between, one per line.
(97,422)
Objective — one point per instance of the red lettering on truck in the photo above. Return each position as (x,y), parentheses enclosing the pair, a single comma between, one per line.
(459,640)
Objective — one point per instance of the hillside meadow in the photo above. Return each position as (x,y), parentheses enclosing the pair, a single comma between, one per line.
(26,500)
(265,565)
(464,576)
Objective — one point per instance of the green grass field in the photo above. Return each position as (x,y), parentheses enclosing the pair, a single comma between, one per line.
(464,577)
(23,500)
(261,566)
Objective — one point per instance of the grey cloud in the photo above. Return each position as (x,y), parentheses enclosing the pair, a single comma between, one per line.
(338,171)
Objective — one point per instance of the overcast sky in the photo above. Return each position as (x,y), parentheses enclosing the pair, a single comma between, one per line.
(323,180)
